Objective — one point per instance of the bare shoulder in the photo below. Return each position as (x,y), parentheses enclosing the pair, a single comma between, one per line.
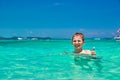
(87,51)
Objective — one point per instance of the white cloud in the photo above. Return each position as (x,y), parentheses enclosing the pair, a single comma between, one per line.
(57,4)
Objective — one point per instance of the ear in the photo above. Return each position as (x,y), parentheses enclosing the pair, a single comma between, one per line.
(84,42)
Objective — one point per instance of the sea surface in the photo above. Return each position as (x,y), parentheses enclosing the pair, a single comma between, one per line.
(52,60)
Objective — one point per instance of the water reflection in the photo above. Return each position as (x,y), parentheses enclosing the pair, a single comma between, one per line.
(88,63)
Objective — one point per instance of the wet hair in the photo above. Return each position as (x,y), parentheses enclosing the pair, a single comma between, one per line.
(78,34)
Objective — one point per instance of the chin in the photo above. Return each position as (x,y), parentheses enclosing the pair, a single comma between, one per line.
(77,47)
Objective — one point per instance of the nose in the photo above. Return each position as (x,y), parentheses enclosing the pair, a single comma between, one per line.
(76,42)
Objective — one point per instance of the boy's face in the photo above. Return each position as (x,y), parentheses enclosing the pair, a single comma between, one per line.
(77,41)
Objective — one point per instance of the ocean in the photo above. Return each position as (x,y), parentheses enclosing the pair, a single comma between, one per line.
(47,60)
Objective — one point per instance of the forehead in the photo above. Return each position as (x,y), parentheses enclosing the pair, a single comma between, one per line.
(77,37)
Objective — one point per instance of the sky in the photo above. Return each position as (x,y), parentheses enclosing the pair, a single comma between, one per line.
(59,18)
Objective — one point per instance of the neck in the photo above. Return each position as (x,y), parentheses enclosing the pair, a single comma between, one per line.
(78,50)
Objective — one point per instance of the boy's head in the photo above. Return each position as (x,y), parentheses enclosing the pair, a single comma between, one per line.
(78,34)
(78,40)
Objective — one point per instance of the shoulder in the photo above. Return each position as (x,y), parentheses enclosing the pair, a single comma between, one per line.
(87,51)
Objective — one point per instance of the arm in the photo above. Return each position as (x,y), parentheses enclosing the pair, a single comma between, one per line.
(89,53)
(93,53)
(85,53)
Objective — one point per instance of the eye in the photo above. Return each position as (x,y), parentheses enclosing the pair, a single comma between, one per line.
(79,40)
(74,40)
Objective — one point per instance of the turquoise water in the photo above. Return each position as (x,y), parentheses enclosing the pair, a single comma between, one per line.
(45,60)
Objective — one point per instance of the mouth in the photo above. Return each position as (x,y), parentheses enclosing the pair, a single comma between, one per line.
(77,46)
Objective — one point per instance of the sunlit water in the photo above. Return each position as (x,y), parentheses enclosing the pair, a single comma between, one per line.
(46,60)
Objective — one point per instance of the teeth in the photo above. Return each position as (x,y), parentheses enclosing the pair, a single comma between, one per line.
(76,46)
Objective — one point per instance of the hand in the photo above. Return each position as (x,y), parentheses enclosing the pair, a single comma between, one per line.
(93,53)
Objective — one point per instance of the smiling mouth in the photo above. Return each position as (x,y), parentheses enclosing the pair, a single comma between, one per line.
(77,46)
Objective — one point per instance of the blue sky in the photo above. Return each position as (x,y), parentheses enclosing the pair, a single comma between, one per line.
(59,18)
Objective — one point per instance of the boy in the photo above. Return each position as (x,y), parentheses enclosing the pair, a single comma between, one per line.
(78,41)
